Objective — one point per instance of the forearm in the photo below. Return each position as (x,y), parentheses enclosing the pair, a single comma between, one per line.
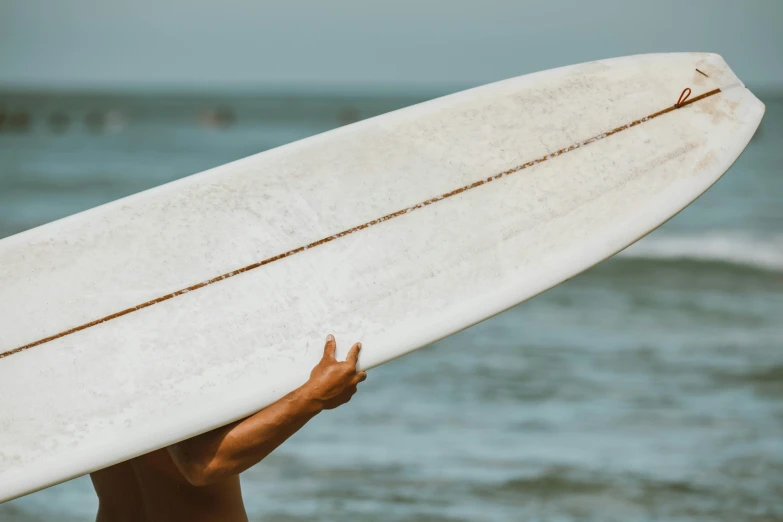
(234,448)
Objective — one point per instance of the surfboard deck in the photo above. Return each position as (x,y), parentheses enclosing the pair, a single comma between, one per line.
(157,317)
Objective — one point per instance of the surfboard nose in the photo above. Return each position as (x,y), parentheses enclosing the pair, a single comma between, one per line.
(713,67)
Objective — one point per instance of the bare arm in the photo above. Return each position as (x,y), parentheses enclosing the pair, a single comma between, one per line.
(232,449)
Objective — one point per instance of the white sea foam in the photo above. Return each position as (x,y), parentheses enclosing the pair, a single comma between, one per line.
(734,248)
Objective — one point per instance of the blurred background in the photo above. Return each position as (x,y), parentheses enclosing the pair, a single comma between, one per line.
(648,388)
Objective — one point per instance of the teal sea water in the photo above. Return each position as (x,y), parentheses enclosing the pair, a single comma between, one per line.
(648,388)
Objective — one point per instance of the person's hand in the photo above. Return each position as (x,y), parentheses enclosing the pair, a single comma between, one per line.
(332,382)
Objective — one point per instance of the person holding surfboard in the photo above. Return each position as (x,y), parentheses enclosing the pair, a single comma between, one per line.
(428,220)
(198,479)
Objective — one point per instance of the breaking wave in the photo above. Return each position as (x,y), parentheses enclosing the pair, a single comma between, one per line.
(735,249)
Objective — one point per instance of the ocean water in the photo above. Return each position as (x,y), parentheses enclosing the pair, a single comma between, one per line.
(648,388)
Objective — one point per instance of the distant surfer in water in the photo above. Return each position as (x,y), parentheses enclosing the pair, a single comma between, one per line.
(197,480)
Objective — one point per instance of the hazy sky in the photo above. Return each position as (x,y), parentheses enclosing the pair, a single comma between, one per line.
(365,43)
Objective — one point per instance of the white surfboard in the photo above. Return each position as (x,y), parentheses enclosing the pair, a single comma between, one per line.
(168,313)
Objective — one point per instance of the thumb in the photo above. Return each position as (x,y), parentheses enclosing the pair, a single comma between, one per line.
(353,355)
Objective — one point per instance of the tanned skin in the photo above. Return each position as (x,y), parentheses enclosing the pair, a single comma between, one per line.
(197,480)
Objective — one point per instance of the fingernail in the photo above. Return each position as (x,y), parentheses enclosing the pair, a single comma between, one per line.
(358,345)
(329,338)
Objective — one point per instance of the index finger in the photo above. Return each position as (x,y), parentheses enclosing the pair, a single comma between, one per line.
(353,355)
